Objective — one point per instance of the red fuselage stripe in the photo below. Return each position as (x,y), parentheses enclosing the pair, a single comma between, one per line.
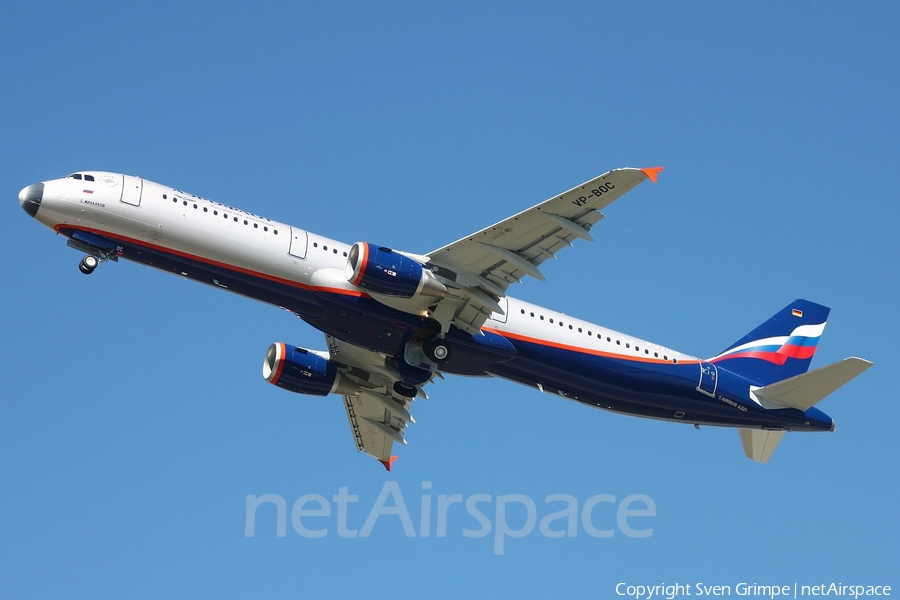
(578,349)
(209,261)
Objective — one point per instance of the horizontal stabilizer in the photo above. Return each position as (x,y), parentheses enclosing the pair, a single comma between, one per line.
(759,444)
(802,391)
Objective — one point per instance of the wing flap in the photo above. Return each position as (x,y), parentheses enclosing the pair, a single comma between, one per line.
(377,416)
(494,258)
(375,428)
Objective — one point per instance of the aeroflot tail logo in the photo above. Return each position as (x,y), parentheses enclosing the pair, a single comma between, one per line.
(800,344)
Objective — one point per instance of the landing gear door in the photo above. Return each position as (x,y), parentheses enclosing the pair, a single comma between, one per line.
(299,240)
(131,190)
(709,379)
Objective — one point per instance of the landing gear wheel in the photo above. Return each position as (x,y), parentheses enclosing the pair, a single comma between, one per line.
(437,350)
(405,390)
(88,264)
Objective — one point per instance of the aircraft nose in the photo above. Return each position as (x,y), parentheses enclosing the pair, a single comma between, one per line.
(30,198)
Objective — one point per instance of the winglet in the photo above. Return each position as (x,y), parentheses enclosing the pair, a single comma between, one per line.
(389,462)
(652,172)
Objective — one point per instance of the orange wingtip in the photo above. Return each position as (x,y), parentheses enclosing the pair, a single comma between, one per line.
(652,172)
(389,462)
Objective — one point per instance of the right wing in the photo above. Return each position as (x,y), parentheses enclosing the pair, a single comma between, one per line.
(480,267)
(377,415)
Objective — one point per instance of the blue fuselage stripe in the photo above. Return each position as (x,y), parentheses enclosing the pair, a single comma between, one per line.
(659,390)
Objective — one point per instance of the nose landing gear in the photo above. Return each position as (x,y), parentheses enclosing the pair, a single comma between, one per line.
(88,264)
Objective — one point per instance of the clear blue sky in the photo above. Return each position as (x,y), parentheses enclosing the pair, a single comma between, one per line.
(135,421)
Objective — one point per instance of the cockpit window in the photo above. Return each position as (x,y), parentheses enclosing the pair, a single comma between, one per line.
(75,175)
(88,177)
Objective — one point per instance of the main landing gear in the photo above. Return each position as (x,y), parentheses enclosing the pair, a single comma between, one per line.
(437,350)
(418,362)
(88,264)
(404,389)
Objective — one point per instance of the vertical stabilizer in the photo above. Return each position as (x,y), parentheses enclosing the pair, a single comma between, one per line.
(759,444)
(780,348)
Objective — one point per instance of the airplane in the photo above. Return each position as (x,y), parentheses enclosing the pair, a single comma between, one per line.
(395,321)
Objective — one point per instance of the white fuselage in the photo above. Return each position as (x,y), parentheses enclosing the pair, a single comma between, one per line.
(191,226)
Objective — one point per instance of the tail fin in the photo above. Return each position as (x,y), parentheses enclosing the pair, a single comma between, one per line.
(780,348)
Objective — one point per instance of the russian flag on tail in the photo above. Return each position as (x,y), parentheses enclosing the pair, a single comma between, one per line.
(781,347)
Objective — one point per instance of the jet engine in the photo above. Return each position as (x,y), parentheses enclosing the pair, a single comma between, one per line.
(303,371)
(384,271)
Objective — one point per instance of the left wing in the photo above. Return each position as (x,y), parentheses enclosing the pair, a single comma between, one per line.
(479,268)
(378,416)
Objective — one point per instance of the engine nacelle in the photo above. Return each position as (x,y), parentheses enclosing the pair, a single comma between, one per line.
(299,370)
(383,271)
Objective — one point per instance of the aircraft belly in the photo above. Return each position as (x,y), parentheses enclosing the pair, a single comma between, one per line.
(293,298)
(365,322)
(659,391)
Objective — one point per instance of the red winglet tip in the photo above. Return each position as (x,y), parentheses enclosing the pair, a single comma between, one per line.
(652,172)
(389,462)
